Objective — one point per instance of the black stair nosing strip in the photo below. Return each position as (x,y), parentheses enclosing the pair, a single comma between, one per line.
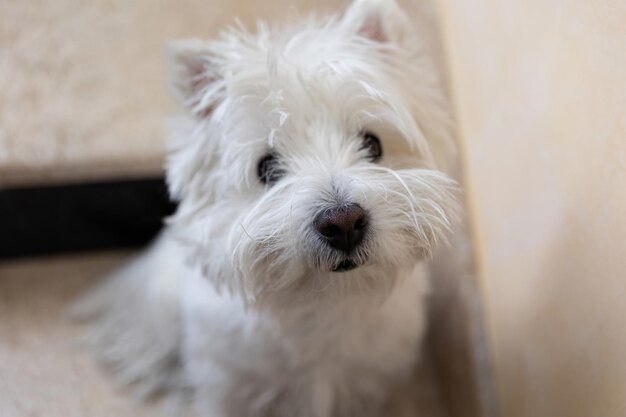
(68,218)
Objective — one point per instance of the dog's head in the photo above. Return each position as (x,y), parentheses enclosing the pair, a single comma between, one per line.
(310,160)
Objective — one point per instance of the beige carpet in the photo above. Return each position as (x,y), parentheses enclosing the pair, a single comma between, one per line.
(82,83)
(43,373)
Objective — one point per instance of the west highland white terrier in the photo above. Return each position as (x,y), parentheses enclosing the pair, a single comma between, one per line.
(310,173)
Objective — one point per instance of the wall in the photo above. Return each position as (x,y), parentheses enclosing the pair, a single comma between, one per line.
(540,91)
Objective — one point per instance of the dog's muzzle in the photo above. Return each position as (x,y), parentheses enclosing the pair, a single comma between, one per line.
(343,228)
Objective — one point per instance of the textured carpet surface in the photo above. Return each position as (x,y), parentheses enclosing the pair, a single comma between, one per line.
(82,86)
(43,372)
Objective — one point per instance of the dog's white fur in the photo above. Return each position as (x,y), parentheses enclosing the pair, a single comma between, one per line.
(236,302)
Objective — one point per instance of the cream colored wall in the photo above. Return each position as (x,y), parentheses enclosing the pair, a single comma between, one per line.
(540,91)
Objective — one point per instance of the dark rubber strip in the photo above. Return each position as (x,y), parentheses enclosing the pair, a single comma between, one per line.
(81,217)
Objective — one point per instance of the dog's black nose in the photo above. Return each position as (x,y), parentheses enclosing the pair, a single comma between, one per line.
(343,227)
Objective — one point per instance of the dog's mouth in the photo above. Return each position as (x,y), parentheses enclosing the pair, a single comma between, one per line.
(344,266)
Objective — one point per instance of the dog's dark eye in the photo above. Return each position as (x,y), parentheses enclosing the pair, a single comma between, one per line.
(269,170)
(371,142)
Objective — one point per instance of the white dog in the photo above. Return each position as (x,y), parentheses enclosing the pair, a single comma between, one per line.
(309,168)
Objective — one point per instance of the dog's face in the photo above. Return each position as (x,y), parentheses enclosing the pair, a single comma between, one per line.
(308,161)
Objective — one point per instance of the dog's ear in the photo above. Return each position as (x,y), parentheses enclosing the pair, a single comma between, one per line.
(377,20)
(193,76)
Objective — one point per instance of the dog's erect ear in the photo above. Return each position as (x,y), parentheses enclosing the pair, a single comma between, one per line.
(378,20)
(193,76)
